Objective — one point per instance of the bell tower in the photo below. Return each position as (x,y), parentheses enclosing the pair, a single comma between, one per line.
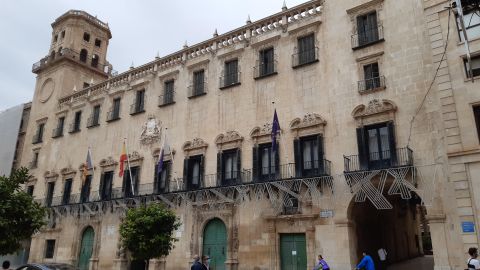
(76,59)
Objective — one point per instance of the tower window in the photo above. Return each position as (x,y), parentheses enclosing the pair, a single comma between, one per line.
(95,61)
(49,248)
(98,42)
(63,34)
(83,55)
(55,38)
(86,37)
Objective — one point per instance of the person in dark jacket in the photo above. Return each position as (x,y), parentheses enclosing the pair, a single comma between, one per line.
(197,265)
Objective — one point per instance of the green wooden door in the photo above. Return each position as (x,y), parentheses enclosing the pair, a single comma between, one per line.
(86,248)
(293,252)
(215,243)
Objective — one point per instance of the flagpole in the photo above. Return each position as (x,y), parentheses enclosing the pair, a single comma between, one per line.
(128,164)
(281,141)
(93,166)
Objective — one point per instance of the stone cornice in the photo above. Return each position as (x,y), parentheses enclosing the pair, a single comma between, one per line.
(363,6)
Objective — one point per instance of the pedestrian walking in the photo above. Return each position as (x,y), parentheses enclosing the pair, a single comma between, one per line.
(321,264)
(366,263)
(382,255)
(197,265)
(6,265)
(206,262)
(473,263)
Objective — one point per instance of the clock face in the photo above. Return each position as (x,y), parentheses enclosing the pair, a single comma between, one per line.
(47,90)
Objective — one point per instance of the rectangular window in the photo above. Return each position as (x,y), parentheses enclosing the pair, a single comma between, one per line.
(198,82)
(49,248)
(231,72)
(471,21)
(367,28)
(162,179)
(30,190)
(169,87)
(59,130)
(116,108)
(193,168)
(55,38)
(476,114)
(475,63)
(306,49)
(76,122)
(266,59)
(140,101)
(67,189)
(63,34)
(86,37)
(128,184)
(372,76)
(106,185)
(34,160)
(377,147)
(230,167)
(96,115)
(86,186)
(50,190)
(268,162)
(98,42)
(39,135)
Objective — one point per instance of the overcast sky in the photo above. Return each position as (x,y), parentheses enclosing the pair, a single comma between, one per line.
(140,29)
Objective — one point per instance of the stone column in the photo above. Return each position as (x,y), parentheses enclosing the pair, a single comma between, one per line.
(93,264)
(157,264)
(231,264)
(339,247)
(439,241)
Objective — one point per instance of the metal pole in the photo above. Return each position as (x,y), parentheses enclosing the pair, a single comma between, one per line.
(129,169)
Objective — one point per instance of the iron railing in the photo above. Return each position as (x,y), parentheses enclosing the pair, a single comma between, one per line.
(57,132)
(291,171)
(74,127)
(113,115)
(401,157)
(305,57)
(371,84)
(167,98)
(197,89)
(66,53)
(230,79)
(37,138)
(367,37)
(93,121)
(137,107)
(265,69)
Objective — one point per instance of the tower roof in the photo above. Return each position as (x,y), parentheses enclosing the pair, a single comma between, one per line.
(82,14)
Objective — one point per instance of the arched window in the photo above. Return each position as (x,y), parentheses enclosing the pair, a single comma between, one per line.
(95,60)
(60,51)
(83,55)
(52,55)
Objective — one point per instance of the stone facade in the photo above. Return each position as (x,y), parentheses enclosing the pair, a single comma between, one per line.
(327,97)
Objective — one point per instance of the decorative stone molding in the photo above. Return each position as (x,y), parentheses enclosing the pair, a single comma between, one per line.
(135,159)
(436,218)
(50,176)
(364,7)
(262,134)
(151,131)
(31,181)
(311,123)
(375,112)
(107,162)
(68,172)
(229,140)
(194,147)
(166,156)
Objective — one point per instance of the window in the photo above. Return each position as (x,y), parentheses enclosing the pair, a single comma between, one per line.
(86,186)
(55,38)
(98,42)
(230,74)
(86,37)
(75,127)
(86,85)
(106,183)
(193,172)
(95,59)
(367,29)
(377,147)
(228,167)
(306,50)
(128,184)
(167,97)
(139,103)
(34,162)
(476,114)
(309,157)
(475,62)
(265,162)
(38,138)
(67,190)
(471,21)
(198,83)
(371,75)
(50,190)
(114,114)
(58,132)
(49,248)
(63,34)
(30,190)
(94,120)
(83,55)
(266,63)
(162,179)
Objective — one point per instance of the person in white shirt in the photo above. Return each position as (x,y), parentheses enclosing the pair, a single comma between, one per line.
(473,263)
(382,255)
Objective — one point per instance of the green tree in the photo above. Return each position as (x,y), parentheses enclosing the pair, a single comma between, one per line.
(20,215)
(147,232)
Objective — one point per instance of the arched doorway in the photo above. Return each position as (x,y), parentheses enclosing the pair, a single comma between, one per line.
(402,231)
(215,243)
(86,248)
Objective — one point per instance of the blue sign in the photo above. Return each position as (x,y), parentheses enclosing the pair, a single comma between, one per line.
(468,227)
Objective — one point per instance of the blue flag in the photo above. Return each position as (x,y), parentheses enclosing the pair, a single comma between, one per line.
(160,162)
(275,131)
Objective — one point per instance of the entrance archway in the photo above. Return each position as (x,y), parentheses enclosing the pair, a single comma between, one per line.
(215,243)
(402,231)
(86,248)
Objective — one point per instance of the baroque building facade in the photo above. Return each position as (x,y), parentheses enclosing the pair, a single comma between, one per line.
(351,172)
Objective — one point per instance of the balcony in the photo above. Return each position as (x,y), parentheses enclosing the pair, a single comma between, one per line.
(57,132)
(92,122)
(305,58)
(167,98)
(33,164)
(136,108)
(401,157)
(265,70)
(113,116)
(371,85)
(229,80)
(367,38)
(74,128)
(291,171)
(37,138)
(197,89)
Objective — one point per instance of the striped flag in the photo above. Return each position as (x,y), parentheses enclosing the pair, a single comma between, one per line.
(123,158)
(275,131)
(88,164)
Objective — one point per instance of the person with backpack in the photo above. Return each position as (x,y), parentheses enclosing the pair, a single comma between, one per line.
(473,263)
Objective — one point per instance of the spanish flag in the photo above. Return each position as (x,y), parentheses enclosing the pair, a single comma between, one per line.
(123,158)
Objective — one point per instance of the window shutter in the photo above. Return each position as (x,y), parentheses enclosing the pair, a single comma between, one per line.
(102,186)
(185,174)
(168,167)
(136,177)
(277,162)
(239,165)
(202,171)
(321,164)
(392,143)
(220,171)
(297,153)
(156,178)
(255,161)
(362,149)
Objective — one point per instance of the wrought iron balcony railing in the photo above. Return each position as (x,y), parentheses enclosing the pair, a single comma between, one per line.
(93,122)
(72,55)
(137,107)
(401,157)
(167,98)
(37,138)
(74,127)
(57,132)
(265,69)
(371,84)
(305,57)
(228,80)
(113,115)
(197,89)
(367,37)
